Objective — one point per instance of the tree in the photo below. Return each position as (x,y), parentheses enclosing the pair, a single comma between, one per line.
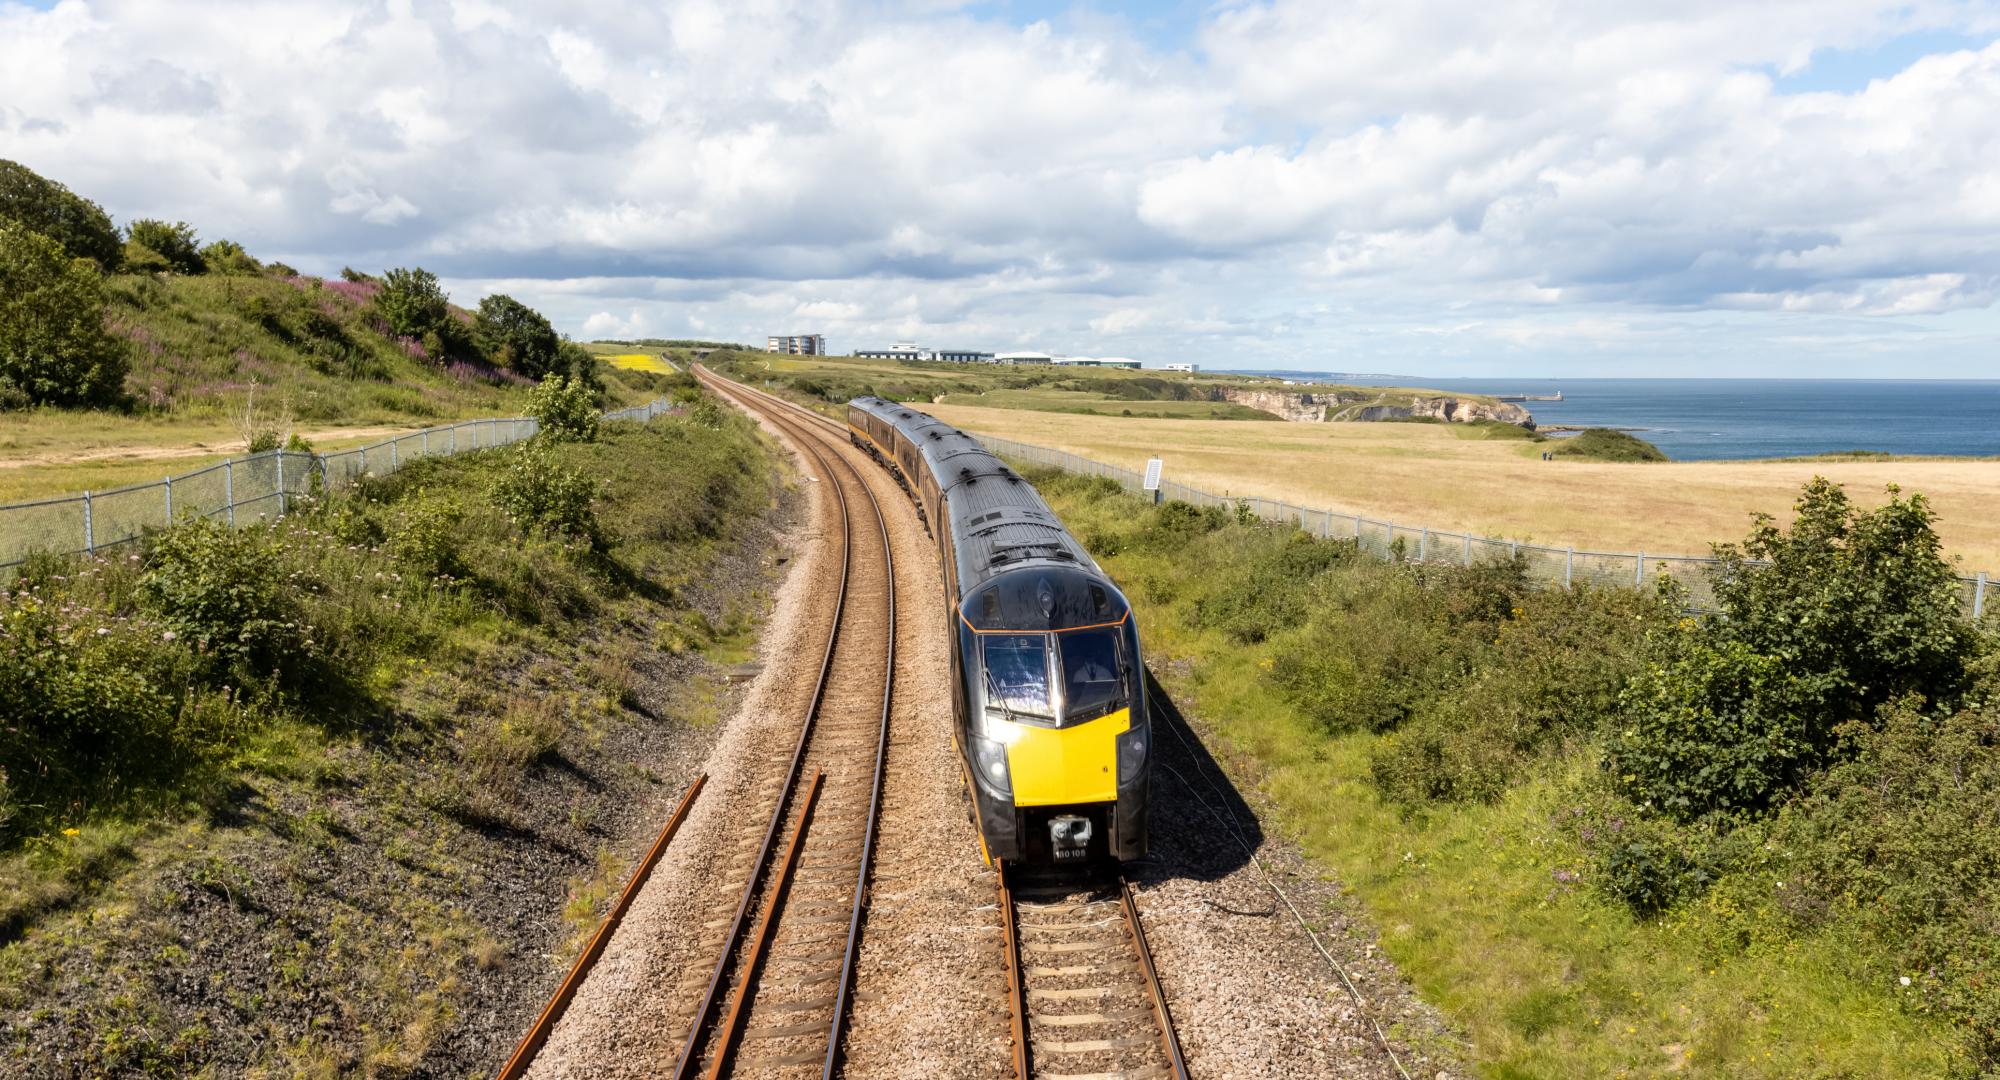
(228,257)
(80,226)
(412,303)
(157,246)
(53,348)
(517,337)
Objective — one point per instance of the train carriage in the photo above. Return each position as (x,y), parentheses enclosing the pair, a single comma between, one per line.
(1048,695)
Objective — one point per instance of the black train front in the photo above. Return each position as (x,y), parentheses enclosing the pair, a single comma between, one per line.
(1048,692)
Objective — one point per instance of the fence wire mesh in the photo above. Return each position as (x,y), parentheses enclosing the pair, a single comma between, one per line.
(1554,567)
(246,488)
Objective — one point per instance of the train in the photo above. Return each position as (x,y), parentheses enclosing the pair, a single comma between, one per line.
(1048,692)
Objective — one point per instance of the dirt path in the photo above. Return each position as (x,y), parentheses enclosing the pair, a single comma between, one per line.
(162,453)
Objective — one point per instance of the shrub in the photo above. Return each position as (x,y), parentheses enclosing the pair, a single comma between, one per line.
(427,537)
(1649,866)
(1905,835)
(1266,592)
(224,591)
(411,303)
(80,227)
(157,246)
(262,442)
(53,348)
(538,491)
(228,257)
(565,409)
(1607,444)
(517,337)
(1855,609)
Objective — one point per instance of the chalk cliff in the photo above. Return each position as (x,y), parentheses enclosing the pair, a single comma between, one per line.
(1316,406)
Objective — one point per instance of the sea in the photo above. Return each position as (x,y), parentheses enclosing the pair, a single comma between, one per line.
(1716,419)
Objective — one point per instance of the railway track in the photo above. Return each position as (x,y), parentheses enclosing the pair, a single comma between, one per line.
(787,928)
(1084,999)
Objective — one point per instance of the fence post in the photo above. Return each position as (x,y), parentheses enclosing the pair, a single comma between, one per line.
(394,461)
(1569,568)
(1423,543)
(89,539)
(229,490)
(454,438)
(1513,550)
(427,442)
(281,483)
(1639,575)
(1979,596)
(170,500)
(364,459)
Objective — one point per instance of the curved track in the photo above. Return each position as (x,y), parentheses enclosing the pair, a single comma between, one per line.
(785,951)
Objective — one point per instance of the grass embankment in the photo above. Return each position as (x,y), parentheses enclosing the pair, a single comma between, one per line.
(1457,477)
(216,359)
(306,797)
(1437,737)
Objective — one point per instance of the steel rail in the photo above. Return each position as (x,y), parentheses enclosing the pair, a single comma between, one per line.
(1017,990)
(1169,1041)
(690,1053)
(538,1035)
(732,1025)
(843,1000)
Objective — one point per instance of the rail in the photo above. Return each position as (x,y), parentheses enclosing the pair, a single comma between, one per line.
(723,1043)
(1389,540)
(250,487)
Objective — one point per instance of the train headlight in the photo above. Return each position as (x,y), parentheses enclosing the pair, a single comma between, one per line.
(989,760)
(1133,746)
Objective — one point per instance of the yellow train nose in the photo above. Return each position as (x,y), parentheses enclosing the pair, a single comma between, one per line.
(1056,766)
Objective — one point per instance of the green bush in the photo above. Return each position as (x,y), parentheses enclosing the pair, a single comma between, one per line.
(158,246)
(1905,837)
(1853,610)
(427,537)
(1266,592)
(1650,867)
(53,348)
(412,304)
(1606,444)
(225,593)
(228,257)
(80,227)
(539,491)
(565,409)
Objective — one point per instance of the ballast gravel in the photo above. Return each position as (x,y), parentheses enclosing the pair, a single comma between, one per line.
(1251,992)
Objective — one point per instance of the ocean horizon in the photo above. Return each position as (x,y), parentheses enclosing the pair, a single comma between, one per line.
(1725,419)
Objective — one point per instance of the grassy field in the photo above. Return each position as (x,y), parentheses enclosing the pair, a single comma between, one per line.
(1457,478)
(1494,909)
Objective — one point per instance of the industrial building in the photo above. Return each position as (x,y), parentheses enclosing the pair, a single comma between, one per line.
(1096,361)
(910,350)
(1190,368)
(796,344)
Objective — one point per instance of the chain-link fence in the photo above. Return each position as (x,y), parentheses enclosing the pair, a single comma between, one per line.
(1388,540)
(245,488)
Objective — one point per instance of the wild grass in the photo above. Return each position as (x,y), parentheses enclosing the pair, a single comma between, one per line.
(355,690)
(1491,898)
(217,359)
(1437,476)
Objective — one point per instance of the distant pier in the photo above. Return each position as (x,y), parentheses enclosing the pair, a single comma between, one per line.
(1557,396)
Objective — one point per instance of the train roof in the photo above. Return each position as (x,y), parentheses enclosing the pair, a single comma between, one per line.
(999,525)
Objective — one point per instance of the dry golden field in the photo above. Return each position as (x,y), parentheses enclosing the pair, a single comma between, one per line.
(1432,475)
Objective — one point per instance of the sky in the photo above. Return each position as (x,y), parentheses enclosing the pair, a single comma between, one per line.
(1537,188)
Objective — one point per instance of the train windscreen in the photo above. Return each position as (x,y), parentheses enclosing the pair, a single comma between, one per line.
(1017,671)
(1092,682)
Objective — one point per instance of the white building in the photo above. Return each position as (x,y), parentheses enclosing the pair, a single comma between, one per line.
(1023,357)
(1180,367)
(796,344)
(910,350)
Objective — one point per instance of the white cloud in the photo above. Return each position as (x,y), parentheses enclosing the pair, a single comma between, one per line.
(1302,185)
